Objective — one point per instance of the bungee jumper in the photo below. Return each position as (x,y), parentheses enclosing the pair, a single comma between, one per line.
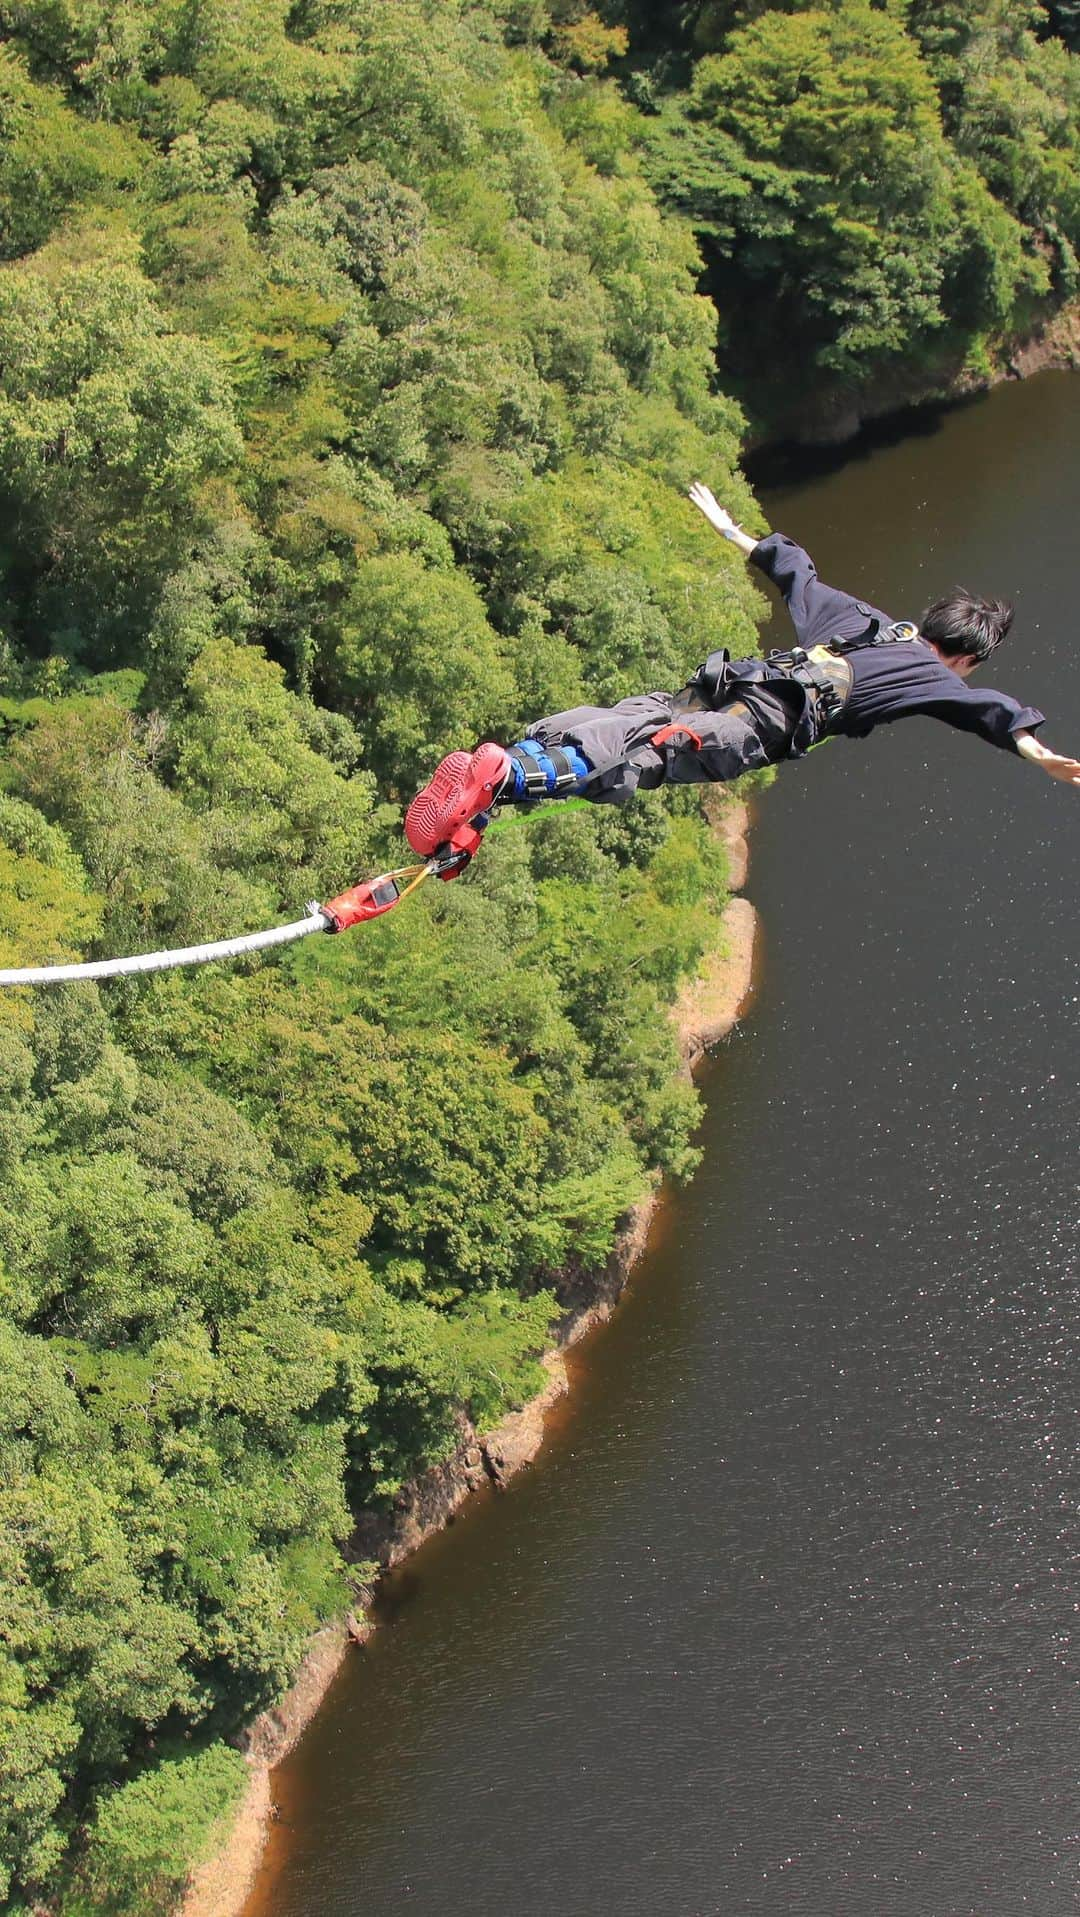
(852,668)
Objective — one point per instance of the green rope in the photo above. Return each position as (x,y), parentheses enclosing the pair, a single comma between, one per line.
(525,813)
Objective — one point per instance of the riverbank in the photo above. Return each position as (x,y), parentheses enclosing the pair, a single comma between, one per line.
(821,1444)
(836,416)
(705,1011)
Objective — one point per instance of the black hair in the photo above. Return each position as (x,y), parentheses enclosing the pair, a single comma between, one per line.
(965,623)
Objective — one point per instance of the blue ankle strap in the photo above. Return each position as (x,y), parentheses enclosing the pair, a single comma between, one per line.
(537,775)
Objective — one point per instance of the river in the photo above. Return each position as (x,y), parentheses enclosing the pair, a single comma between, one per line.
(784,1619)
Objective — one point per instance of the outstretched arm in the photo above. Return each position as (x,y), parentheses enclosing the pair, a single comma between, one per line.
(719,517)
(1054,763)
(817,611)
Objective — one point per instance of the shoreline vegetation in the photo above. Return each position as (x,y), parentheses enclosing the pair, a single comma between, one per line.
(885,200)
(354,363)
(706,1010)
(1050,344)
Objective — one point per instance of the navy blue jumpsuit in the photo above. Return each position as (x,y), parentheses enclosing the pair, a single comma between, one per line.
(753,725)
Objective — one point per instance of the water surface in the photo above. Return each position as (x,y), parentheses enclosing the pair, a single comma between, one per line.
(784,1620)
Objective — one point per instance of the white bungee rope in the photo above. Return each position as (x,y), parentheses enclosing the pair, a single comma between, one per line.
(316,921)
(368,900)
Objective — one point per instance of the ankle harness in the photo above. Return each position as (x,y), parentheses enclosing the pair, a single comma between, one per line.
(543,772)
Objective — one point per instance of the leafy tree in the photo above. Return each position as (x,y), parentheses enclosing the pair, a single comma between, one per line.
(421,632)
(197,1143)
(47,908)
(150,1832)
(354,219)
(89,765)
(811,154)
(86,1649)
(272,806)
(52,158)
(109,424)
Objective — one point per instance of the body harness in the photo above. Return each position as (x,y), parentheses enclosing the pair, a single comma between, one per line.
(823,674)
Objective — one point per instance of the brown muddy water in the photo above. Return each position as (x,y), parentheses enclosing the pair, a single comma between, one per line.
(784,1620)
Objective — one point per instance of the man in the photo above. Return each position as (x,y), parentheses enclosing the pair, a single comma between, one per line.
(851,670)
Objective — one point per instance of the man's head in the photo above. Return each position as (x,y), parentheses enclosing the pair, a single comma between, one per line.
(963,627)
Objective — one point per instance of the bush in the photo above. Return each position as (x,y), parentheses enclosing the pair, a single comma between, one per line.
(150,1834)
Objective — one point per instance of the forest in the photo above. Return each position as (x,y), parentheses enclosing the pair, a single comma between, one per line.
(355,357)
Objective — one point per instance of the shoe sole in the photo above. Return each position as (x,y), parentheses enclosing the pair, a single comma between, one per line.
(463,785)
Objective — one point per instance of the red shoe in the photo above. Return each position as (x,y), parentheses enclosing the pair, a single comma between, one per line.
(464,784)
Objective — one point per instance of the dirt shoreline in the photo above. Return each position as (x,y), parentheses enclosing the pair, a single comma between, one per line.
(705,1011)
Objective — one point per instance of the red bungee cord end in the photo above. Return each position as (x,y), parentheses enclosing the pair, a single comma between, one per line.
(367,901)
(373,897)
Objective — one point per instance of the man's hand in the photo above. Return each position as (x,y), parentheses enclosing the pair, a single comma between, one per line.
(1054,763)
(719,517)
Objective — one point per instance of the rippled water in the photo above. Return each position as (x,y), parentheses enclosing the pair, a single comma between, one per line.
(785,1619)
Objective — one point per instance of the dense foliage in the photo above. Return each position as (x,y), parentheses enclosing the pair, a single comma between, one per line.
(349,382)
(885,193)
(350,377)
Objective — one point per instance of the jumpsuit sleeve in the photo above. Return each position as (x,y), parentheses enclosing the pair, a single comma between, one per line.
(991,715)
(817,611)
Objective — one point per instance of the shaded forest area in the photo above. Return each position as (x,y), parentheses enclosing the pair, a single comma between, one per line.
(354,360)
(885,195)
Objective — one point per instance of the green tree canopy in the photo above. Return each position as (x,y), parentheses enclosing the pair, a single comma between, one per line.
(811,154)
